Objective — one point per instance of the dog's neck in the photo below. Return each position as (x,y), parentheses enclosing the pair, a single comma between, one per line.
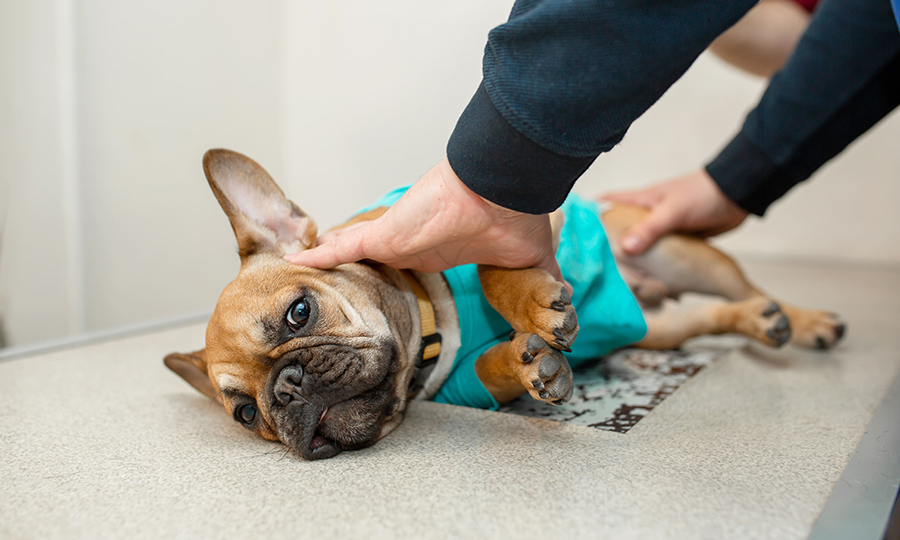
(447,325)
(430,348)
(435,292)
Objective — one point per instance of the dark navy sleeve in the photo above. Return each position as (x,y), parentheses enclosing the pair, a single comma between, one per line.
(563,81)
(843,77)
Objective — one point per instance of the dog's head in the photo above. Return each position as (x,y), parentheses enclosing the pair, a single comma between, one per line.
(316,359)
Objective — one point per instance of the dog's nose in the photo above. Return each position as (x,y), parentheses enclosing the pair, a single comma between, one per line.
(287,385)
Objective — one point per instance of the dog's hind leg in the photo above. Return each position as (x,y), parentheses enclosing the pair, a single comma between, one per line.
(684,263)
(713,272)
(757,318)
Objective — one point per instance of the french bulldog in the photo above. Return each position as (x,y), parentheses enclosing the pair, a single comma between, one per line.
(328,360)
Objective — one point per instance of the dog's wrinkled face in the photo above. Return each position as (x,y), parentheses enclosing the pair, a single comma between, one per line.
(297,359)
(304,356)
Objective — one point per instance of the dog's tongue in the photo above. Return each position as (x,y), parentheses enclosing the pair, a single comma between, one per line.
(317,442)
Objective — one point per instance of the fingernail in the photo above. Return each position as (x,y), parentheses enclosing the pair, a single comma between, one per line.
(631,242)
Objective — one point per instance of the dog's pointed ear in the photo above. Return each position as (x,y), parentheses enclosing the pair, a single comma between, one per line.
(264,221)
(192,368)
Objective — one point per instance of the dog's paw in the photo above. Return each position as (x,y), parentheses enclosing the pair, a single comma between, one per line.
(816,329)
(542,369)
(765,321)
(552,315)
(650,292)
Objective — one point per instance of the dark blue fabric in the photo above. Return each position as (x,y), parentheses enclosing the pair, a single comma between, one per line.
(565,79)
(843,77)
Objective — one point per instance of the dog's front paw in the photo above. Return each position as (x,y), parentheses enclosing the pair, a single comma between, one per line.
(552,315)
(542,369)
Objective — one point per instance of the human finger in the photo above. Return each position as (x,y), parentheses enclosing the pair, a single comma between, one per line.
(551,265)
(334,249)
(647,197)
(331,235)
(646,232)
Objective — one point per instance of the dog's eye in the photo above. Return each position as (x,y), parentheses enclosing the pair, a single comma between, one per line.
(298,314)
(247,413)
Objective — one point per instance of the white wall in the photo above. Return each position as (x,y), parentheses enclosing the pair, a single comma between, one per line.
(106,108)
(35,266)
(160,83)
(373,92)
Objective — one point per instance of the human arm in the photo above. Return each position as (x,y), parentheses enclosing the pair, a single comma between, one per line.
(843,78)
(562,83)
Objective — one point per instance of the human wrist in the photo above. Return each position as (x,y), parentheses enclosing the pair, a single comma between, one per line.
(462,191)
(503,166)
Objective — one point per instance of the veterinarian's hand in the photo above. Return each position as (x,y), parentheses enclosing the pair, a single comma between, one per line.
(438,224)
(691,203)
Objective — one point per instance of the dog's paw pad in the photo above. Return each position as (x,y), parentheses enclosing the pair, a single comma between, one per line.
(762,319)
(780,332)
(772,309)
(547,375)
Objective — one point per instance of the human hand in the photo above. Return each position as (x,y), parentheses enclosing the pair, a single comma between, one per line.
(438,224)
(690,203)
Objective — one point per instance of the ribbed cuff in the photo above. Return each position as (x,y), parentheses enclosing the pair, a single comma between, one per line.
(505,167)
(741,171)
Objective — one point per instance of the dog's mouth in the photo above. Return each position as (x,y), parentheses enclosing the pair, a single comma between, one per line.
(320,441)
(306,433)
(333,401)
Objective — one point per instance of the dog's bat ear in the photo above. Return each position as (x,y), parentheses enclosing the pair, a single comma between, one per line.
(263,219)
(192,368)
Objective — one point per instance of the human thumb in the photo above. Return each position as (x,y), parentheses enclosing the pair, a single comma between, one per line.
(641,236)
(551,265)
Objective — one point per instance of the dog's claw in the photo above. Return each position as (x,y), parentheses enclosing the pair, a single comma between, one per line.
(839,331)
(772,309)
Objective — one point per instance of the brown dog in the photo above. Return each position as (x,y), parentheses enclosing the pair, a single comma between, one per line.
(328,360)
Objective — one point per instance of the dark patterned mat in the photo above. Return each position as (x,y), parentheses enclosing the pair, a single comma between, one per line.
(615,392)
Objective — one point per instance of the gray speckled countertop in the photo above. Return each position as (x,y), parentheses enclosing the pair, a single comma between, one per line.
(103,441)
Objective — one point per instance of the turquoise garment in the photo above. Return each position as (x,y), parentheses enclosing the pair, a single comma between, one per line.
(608,314)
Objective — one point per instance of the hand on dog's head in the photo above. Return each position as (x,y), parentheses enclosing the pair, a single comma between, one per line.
(316,359)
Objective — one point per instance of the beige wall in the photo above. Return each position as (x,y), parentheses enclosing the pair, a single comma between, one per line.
(106,108)
(844,213)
